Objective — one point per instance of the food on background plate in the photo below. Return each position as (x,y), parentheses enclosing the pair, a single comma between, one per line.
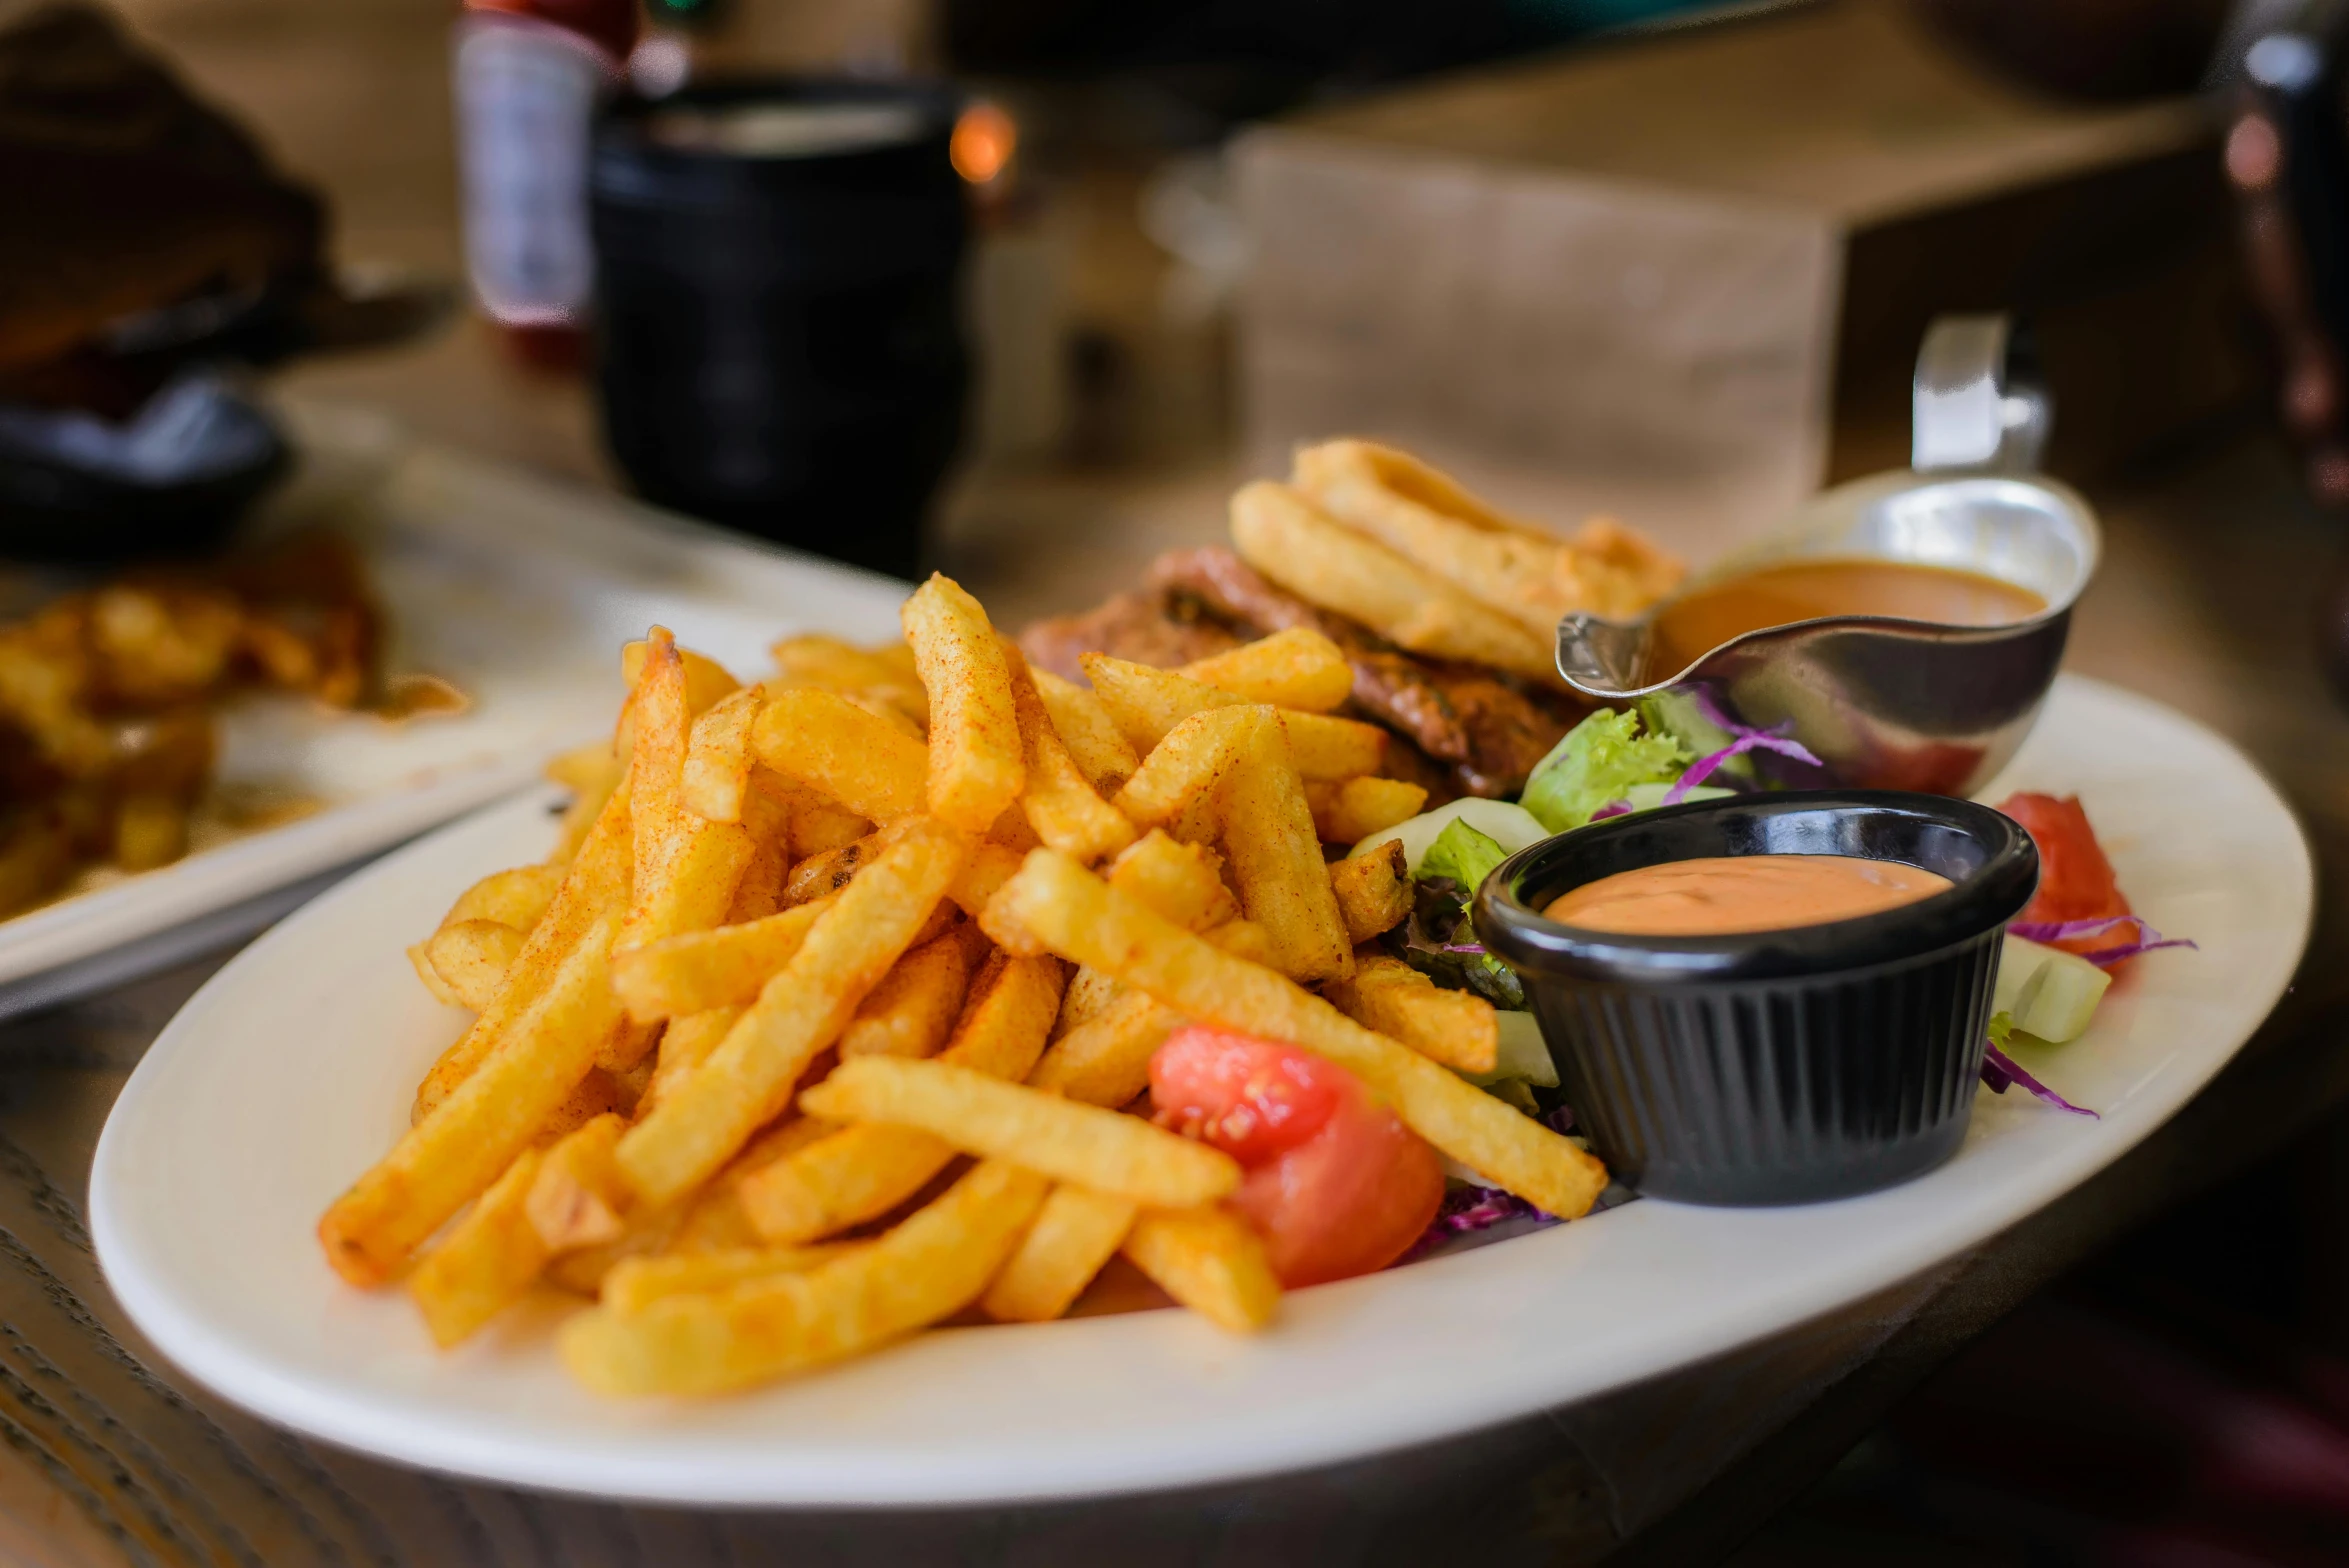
(1703,619)
(108,698)
(836,1011)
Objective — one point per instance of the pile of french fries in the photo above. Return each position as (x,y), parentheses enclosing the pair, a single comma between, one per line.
(828,1017)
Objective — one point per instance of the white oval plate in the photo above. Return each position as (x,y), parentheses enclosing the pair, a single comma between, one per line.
(292,1070)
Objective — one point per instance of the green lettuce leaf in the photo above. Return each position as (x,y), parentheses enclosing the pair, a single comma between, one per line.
(1599,760)
(1463,854)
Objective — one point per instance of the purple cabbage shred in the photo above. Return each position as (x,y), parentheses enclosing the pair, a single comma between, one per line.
(1746,738)
(1999,1070)
(2147,941)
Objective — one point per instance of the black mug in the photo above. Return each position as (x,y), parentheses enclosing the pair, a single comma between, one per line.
(778,280)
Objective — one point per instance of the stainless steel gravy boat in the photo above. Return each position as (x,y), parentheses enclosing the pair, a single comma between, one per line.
(1888,703)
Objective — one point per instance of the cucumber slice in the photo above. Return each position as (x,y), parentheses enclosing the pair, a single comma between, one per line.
(1647,797)
(2046,991)
(1510,826)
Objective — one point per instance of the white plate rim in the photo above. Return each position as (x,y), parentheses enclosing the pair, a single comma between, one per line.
(757,1474)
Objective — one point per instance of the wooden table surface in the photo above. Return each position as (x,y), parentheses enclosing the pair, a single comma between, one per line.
(108,1455)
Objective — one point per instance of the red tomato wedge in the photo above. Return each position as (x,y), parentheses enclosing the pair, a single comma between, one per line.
(2075,880)
(1335,1183)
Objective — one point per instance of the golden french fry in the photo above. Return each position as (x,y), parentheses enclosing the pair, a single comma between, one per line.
(577,1198)
(591,774)
(975,764)
(1210,1261)
(686,866)
(766,817)
(1106,1059)
(1148,704)
(826,743)
(591,1097)
(632,1284)
(716,775)
(914,1007)
(1385,994)
(150,830)
(1425,516)
(459,1147)
(930,1267)
(1058,800)
(486,1262)
(816,824)
(1089,993)
(821,875)
(884,674)
(1350,812)
(863,931)
(516,897)
(696,971)
(1242,939)
(1373,890)
(1284,535)
(471,958)
(1097,1148)
(1075,1233)
(1077,915)
(595,881)
(1276,859)
(1183,882)
(420,958)
(1176,786)
(686,1043)
(1295,668)
(706,680)
(990,866)
(861,1173)
(1088,731)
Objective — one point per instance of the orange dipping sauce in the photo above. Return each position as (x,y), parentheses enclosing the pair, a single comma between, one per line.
(1691,627)
(1724,895)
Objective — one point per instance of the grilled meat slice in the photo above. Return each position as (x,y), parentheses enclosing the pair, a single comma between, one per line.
(1146,627)
(1490,731)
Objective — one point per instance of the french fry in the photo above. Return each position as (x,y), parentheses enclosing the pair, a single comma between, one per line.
(590,773)
(861,1173)
(880,674)
(1088,731)
(486,1262)
(1075,1233)
(596,880)
(827,873)
(1294,668)
(864,930)
(471,958)
(1373,891)
(696,971)
(1289,539)
(420,959)
(706,680)
(1148,704)
(1106,1059)
(577,1198)
(686,1043)
(1210,1261)
(1423,515)
(930,1267)
(1183,882)
(686,866)
(716,775)
(1097,1148)
(817,825)
(914,1007)
(633,1284)
(990,866)
(150,830)
(1391,998)
(459,1147)
(865,765)
(766,817)
(1058,800)
(1350,812)
(975,764)
(517,897)
(1090,992)
(1276,859)
(1176,786)
(1077,915)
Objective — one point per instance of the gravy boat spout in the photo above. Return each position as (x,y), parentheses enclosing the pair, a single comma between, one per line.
(1884,702)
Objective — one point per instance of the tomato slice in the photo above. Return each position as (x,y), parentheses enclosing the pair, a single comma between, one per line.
(2076,882)
(1335,1183)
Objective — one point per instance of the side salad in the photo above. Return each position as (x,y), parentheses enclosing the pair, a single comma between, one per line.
(2060,954)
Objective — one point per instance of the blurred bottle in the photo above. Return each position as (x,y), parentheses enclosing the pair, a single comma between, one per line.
(528,77)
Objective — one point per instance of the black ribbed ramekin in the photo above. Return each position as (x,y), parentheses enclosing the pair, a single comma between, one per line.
(1770,1066)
